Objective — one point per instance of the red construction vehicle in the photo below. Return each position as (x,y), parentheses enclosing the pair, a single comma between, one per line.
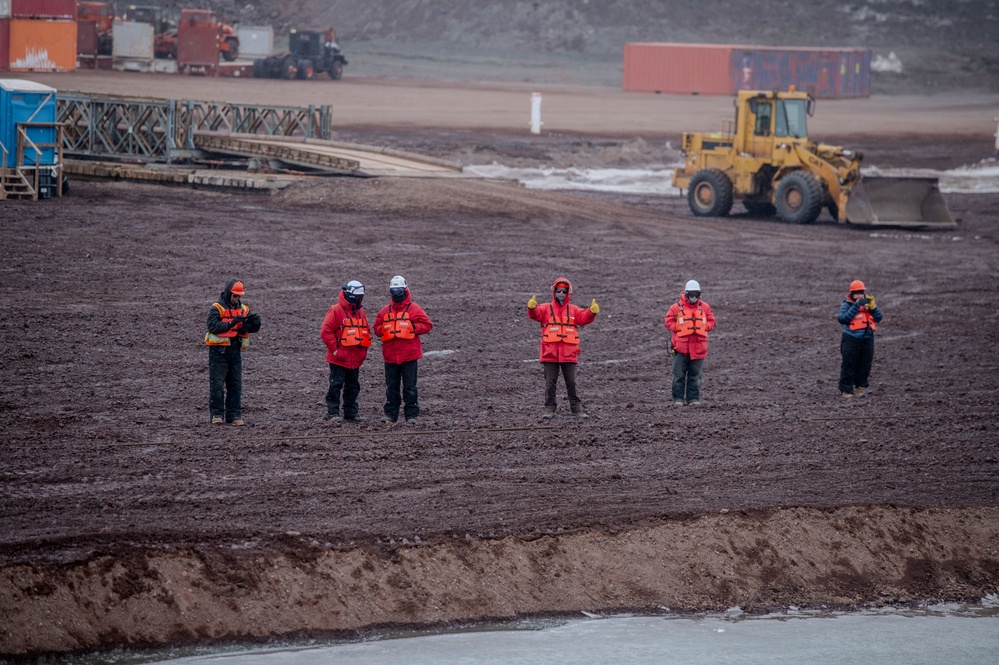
(103,18)
(228,41)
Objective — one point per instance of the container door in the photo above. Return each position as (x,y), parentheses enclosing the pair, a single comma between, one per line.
(4,44)
(35,107)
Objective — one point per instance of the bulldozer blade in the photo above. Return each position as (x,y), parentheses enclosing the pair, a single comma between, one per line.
(905,201)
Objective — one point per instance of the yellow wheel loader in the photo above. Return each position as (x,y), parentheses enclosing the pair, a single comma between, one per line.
(771,167)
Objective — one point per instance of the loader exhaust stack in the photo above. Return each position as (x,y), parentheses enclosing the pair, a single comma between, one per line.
(908,201)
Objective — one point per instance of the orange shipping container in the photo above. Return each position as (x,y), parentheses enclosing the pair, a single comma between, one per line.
(42,46)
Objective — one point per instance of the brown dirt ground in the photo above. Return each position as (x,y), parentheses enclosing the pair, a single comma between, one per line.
(128,520)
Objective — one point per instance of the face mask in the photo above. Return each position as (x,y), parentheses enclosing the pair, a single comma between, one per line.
(692,299)
(398,295)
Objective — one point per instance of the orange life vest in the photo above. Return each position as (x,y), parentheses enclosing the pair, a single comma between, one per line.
(560,331)
(397,327)
(227,315)
(863,320)
(689,322)
(355,332)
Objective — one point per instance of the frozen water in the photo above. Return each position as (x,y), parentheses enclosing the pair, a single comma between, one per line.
(978,178)
(953,634)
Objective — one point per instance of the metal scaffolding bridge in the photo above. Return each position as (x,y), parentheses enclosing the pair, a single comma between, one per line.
(165,129)
(291,139)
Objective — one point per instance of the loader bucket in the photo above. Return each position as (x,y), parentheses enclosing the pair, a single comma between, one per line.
(906,201)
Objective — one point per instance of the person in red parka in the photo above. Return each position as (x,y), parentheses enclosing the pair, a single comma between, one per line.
(689,320)
(400,324)
(560,322)
(347,337)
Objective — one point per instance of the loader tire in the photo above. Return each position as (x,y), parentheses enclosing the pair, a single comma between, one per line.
(288,69)
(336,71)
(710,193)
(259,68)
(799,198)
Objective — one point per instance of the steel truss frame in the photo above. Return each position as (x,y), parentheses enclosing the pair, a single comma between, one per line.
(158,129)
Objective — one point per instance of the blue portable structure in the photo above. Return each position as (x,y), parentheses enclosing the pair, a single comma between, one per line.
(30,140)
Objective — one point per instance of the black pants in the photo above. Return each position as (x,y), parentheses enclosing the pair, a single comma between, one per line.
(344,379)
(687,375)
(225,381)
(405,374)
(858,356)
(551,380)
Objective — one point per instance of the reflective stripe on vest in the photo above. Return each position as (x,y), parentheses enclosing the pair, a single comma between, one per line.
(398,327)
(227,315)
(687,323)
(863,320)
(560,331)
(354,332)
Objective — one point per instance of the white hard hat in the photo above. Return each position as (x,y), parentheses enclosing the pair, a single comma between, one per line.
(354,288)
(398,282)
(692,285)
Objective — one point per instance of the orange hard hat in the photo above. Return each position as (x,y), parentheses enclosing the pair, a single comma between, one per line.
(857,285)
(237,289)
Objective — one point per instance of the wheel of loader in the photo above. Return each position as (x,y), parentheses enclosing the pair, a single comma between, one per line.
(258,68)
(306,69)
(232,50)
(799,198)
(757,209)
(336,72)
(710,193)
(288,69)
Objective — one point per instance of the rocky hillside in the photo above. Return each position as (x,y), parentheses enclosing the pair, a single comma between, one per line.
(942,44)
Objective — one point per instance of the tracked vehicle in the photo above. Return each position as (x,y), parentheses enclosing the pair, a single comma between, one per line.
(769,164)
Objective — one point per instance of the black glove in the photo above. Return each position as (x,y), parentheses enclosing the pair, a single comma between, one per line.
(237,322)
(252,323)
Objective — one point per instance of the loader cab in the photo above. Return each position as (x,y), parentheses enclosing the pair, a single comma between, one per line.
(791,117)
(772,117)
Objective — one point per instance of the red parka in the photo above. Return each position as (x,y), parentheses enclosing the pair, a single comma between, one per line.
(695,344)
(397,350)
(566,313)
(342,312)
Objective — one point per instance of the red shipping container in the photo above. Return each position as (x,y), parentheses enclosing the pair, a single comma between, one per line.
(723,69)
(685,69)
(42,46)
(43,9)
(4,44)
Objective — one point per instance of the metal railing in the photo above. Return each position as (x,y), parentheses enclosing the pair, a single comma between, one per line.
(158,129)
(25,142)
(3,171)
(23,179)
